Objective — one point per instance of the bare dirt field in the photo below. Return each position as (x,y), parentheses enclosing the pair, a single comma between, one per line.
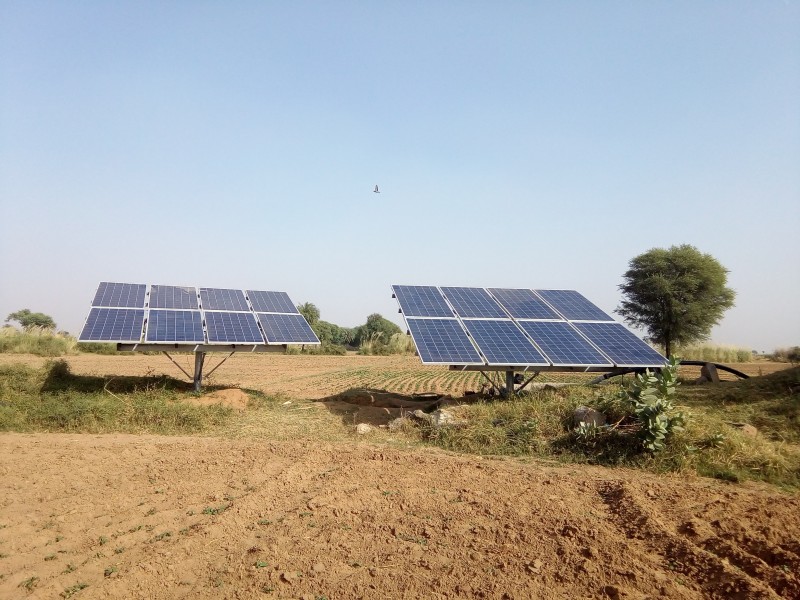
(314,377)
(124,516)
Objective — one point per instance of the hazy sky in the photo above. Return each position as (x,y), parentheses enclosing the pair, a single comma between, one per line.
(516,144)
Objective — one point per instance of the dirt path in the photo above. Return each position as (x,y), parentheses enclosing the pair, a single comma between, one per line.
(158,517)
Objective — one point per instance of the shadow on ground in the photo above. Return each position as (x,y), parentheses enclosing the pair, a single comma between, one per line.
(377,407)
(59,378)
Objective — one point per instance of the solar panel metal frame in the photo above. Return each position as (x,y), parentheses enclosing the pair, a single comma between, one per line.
(95,311)
(154,314)
(297,317)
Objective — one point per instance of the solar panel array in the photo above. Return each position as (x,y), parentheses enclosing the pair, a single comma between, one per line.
(506,327)
(168,314)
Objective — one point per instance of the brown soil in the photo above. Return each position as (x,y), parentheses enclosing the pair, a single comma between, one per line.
(313,377)
(232,398)
(158,517)
(200,517)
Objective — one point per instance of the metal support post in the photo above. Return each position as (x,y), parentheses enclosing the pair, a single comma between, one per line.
(199,357)
(509,383)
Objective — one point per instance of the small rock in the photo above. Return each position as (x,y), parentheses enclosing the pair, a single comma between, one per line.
(443,417)
(318,568)
(397,424)
(288,576)
(747,429)
(364,428)
(585,414)
(421,416)
(534,566)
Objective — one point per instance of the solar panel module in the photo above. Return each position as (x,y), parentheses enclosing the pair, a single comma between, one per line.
(122,295)
(287,329)
(113,325)
(442,341)
(502,343)
(175,326)
(172,296)
(421,301)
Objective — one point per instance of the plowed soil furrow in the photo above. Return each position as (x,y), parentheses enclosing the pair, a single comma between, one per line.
(717,577)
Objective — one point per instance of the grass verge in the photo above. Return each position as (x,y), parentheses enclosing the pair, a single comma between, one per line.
(713,443)
(53,399)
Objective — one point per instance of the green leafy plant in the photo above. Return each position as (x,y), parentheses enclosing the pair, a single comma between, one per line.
(651,397)
(30,583)
(74,589)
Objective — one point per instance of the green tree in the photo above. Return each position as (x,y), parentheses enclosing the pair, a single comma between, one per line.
(310,312)
(677,295)
(376,329)
(29,319)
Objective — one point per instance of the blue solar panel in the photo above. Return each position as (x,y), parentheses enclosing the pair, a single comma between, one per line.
(442,341)
(271,302)
(124,295)
(232,328)
(287,329)
(573,306)
(622,346)
(113,325)
(222,299)
(473,302)
(523,304)
(175,326)
(171,296)
(421,301)
(563,345)
(502,343)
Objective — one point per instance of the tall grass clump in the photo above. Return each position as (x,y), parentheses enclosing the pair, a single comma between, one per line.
(97,348)
(378,344)
(715,353)
(36,340)
(51,398)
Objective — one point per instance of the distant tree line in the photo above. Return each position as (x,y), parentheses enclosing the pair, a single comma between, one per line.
(376,333)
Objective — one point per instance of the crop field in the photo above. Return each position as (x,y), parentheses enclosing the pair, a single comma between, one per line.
(314,377)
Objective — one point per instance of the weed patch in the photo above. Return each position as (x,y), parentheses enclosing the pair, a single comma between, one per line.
(53,399)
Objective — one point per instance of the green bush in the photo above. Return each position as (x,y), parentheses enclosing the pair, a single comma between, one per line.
(651,397)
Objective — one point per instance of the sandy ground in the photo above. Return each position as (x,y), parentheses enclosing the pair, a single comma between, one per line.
(158,517)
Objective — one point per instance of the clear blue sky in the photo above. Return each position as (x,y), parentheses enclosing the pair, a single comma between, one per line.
(516,144)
